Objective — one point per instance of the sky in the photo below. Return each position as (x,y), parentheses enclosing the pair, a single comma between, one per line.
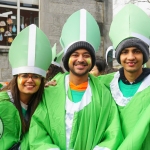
(119,4)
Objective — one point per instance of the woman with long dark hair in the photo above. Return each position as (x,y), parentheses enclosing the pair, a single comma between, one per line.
(20,98)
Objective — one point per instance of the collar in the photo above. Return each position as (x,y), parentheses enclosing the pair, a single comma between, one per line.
(145,73)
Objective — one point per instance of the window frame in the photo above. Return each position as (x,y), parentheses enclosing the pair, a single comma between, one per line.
(18,8)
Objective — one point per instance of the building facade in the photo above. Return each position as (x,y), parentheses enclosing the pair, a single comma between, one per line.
(49,16)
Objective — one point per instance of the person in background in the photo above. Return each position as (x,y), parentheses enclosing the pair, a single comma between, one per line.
(130,86)
(99,67)
(19,99)
(78,113)
(55,67)
(111,70)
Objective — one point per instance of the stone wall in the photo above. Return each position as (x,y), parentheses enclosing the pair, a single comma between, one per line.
(53,15)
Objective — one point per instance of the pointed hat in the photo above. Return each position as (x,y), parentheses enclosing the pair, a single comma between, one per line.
(80,31)
(58,58)
(127,31)
(30,52)
(129,23)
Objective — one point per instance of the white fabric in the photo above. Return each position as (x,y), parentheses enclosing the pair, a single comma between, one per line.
(10,96)
(55,63)
(31,45)
(117,94)
(100,148)
(110,48)
(27,69)
(143,38)
(24,105)
(72,107)
(83,25)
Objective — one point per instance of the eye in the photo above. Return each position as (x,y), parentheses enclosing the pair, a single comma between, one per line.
(137,51)
(124,52)
(36,76)
(87,56)
(24,75)
(74,55)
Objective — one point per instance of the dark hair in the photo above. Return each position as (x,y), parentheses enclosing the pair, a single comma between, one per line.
(110,70)
(101,64)
(32,105)
(52,71)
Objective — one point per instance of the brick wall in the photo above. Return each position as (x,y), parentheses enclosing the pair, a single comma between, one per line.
(54,13)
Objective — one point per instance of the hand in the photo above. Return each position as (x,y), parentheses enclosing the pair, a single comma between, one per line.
(51,83)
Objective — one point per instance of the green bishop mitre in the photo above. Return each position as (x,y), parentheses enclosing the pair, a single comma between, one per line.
(131,21)
(58,58)
(80,26)
(30,52)
(54,52)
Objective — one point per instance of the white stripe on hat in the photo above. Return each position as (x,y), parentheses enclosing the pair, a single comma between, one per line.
(29,69)
(83,25)
(31,46)
(140,36)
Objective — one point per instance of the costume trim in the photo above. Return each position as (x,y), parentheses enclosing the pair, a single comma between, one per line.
(117,94)
(72,107)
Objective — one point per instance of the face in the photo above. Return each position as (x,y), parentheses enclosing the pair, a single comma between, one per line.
(132,59)
(95,71)
(28,83)
(80,62)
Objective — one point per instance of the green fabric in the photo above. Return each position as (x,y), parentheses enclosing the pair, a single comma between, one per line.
(127,23)
(23,111)
(128,90)
(25,142)
(77,95)
(135,122)
(10,127)
(1,85)
(135,119)
(72,30)
(96,124)
(28,56)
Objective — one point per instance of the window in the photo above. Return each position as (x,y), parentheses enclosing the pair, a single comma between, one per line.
(15,15)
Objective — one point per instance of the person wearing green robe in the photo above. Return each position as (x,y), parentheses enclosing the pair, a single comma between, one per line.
(78,113)
(19,99)
(130,86)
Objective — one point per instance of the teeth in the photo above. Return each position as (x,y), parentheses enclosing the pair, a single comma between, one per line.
(29,86)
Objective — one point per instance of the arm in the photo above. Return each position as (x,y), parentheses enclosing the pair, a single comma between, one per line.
(39,132)
(112,137)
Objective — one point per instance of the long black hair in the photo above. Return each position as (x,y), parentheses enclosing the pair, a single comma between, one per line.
(32,105)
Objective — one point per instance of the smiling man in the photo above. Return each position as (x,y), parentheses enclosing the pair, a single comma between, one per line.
(78,113)
(130,86)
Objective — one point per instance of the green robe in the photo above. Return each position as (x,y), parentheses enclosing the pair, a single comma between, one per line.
(10,124)
(134,115)
(94,124)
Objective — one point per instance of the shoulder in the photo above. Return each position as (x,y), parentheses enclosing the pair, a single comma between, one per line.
(4,96)
(106,79)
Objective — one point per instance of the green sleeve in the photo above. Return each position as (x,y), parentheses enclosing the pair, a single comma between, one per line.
(10,124)
(112,137)
(39,138)
(137,135)
(106,79)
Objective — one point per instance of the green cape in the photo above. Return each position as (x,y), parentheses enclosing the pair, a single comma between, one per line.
(97,124)
(134,118)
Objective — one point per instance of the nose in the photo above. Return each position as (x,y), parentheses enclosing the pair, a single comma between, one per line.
(80,58)
(29,79)
(131,56)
